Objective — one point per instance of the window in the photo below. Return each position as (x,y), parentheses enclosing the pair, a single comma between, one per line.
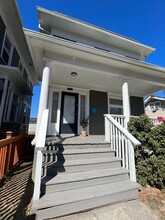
(116,107)
(155,106)
(14,108)
(26,114)
(1,89)
(54,107)
(6,50)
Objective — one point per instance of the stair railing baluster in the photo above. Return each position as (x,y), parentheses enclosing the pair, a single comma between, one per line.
(122,141)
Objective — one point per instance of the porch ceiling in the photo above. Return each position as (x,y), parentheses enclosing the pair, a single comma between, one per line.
(95,80)
(96,69)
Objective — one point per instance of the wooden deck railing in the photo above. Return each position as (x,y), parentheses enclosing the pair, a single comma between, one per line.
(12,150)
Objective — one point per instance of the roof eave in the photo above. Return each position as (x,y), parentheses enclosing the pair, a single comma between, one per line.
(148,49)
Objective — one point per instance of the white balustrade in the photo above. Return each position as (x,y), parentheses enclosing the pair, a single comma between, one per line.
(37,163)
(120,119)
(122,142)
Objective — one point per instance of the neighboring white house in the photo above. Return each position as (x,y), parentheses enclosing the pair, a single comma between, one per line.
(17,72)
(155,107)
(88,71)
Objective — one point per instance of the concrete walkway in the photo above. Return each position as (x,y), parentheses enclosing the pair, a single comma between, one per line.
(131,210)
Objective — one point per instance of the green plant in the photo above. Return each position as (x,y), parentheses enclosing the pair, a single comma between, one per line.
(84,123)
(149,157)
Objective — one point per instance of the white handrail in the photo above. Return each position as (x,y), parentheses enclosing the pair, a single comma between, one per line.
(122,142)
(37,163)
(123,130)
(120,119)
(117,116)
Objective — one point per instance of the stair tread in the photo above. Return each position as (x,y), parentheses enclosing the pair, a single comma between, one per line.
(81,151)
(75,195)
(87,150)
(86,161)
(79,146)
(85,175)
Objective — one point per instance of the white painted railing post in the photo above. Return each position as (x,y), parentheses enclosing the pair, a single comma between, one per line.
(132,168)
(40,144)
(107,130)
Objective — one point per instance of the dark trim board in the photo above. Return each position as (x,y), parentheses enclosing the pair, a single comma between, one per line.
(98,107)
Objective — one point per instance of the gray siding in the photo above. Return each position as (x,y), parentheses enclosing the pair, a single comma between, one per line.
(162,104)
(15,58)
(137,105)
(98,101)
(2,32)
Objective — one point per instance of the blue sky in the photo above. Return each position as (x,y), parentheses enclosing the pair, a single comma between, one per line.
(142,20)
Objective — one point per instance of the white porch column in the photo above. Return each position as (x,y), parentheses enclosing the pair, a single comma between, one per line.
(43,103)
(126,101)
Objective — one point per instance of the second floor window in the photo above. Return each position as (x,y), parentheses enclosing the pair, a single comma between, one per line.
(6,50)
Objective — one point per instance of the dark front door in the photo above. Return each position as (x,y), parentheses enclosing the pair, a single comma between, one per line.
(69,113)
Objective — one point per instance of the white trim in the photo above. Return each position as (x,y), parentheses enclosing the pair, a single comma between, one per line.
(96,29)
(118,57)
(60,89)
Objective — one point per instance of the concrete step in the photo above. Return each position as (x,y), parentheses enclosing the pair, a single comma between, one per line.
(63,203)
(75,146)
(67,181)
(83,165)
(71,154)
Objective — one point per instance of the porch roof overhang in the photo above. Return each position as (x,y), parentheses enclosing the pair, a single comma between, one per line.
(13,74)
(96,69)
(49,19)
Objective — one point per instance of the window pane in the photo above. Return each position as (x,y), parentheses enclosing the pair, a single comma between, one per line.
(1,89)
(5,56)
(54,107)
(116,106)
(14,108)
(82,106)
(7,45)
(116,102)
(116,111)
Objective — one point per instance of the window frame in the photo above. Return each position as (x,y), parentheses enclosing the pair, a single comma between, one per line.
(6,36)
(115,97)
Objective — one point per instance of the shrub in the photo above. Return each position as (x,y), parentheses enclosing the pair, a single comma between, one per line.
(149,157)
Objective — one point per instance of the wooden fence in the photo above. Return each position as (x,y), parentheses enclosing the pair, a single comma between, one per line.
(12,151)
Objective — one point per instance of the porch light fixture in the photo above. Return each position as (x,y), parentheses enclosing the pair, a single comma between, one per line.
(74,74)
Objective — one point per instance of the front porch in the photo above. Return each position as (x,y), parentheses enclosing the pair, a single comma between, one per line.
(69,139)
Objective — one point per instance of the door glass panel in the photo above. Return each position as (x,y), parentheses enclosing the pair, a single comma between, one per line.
(69,109)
